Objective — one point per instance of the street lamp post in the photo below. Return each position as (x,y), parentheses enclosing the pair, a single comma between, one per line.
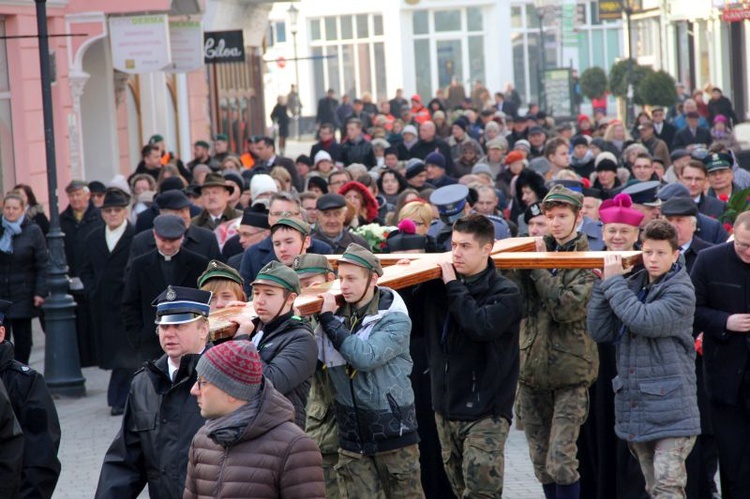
(628,7)
(293,13)
(62,368)
(540,6)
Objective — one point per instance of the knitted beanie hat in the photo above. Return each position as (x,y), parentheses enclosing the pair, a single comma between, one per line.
(234,367)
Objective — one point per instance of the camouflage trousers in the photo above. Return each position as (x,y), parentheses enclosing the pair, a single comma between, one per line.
(330,476)
(386,475)
(552,421)
(663,465)
(474,455)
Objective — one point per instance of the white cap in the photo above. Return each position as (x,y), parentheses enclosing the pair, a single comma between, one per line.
(410,129)
(321,156)
(120,182)
(262,184)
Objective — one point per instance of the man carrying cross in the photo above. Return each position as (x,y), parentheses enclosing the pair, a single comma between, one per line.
(558,359)
(471,323)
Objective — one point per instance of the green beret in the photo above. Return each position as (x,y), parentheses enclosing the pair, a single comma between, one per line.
(155,139)
(357,255)
(219,270)
(221,136)
(278,275)
(293,223)
(562,194)
(203,143)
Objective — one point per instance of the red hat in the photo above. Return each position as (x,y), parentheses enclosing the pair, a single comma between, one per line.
(619,211)
(514,156)
(368,200)
(582,118)
(416,97)
(234,367)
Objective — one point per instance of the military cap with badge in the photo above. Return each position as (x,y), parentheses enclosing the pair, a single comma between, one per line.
(180,305)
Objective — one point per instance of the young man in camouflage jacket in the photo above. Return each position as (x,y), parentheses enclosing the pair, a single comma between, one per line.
(558,359)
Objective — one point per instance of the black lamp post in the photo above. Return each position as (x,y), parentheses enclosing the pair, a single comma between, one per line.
(62,369)
(540,5)
(293,13)
(627,6)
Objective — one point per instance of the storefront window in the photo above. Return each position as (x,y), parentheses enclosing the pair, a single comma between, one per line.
(447,20)
(347,28)
(420,24)
(474,19)
(423,67)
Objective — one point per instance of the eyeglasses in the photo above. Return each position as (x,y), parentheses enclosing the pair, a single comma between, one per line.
(741,246)
(200,382)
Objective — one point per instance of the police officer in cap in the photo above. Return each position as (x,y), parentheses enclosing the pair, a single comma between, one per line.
(645,199)
(36,413)
(161,417)
(452,202)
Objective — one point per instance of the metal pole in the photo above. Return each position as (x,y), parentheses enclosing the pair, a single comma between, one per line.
(542,64)
(630,110)
(296,78)
(62,368)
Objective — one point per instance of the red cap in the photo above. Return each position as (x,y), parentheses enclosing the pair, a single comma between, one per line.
(514,156)
(416,97)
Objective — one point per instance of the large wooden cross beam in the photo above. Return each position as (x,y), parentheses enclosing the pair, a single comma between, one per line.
(512,253)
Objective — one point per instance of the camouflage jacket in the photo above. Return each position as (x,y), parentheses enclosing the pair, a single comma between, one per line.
(556,351)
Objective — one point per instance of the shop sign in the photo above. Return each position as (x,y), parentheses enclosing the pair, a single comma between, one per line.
(140,44)
(224,46)
(186,45)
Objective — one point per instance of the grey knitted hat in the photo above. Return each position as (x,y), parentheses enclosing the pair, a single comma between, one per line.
(234,367)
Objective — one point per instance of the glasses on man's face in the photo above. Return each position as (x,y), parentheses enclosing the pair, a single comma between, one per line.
(200,382)
(282,214)
(741,246)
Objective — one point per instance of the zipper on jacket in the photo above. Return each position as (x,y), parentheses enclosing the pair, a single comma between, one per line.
(356,417)
(396,411)
(473,382)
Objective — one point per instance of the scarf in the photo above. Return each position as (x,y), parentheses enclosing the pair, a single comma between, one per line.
(10,229)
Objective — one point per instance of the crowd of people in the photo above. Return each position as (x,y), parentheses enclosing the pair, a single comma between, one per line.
(627,381)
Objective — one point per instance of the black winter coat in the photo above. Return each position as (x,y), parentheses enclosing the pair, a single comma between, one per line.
(197,239)
(103,277)
(334,149)
(11,448)
(23,273)
(358,152)
(721,283)
(421,149)
(75,235)
(158,426)
(290,355)
(144,283)
(683,138)
(36,413)
(472,339)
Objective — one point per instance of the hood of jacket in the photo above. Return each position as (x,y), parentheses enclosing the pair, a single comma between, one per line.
(266,411)
(390,301)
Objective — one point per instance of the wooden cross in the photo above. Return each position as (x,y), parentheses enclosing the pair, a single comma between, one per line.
(512,253)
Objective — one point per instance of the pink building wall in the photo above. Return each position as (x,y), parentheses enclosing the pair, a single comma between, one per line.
(25,88)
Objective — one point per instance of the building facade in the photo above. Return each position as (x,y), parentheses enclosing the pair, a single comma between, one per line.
(102,117)
(422,45)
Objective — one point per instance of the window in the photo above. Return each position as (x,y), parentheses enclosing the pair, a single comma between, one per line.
(280,31)
(448,20)
(7,155)
(420,24)
(448,44)
(315,29)
(354,61)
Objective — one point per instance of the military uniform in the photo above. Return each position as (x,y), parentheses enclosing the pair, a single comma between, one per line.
(321,417)
(559,362)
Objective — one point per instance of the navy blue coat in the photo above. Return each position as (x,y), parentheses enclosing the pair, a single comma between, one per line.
(711,230)
(259,254)
(23,273)
(722,282)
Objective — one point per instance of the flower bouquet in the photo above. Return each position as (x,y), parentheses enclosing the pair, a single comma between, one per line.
(738,203)
(375,235)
